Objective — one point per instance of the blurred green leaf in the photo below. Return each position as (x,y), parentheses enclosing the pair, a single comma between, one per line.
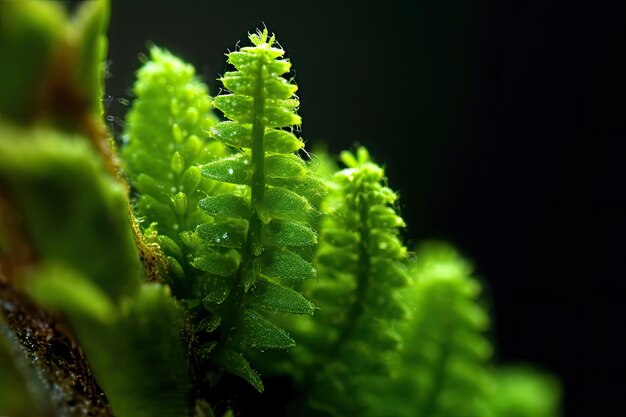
(55,285)
(135,350)
(30,32)
(73,210)
(521,391)
(90,30)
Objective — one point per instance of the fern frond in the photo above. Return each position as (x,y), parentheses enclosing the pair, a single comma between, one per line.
(442,368)
(166,135)
(360,260)
(254,247)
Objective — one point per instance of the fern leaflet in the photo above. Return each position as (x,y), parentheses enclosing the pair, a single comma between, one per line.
(255,245)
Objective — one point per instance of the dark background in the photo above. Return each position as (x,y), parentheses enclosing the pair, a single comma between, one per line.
(501,124)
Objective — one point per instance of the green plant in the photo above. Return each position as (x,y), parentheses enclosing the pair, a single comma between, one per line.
(351,340)
(232,254)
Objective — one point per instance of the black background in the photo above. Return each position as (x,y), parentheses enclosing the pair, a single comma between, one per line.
(501,123)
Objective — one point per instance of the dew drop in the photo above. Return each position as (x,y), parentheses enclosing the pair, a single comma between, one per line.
(230,171)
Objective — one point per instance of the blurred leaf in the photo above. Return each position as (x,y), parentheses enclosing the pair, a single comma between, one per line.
(57,62)
(30,32)
(90,25)
(73,210)
(524,392)
(55,285)
(138,359)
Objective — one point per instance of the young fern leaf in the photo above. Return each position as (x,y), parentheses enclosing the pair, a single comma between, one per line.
(255,243)
(166,141)
(361,268)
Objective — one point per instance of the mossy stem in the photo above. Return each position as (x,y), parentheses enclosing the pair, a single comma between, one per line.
(257,194)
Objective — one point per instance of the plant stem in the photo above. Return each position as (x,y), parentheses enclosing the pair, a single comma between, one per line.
(257,185)
(363,274)
(431,397)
